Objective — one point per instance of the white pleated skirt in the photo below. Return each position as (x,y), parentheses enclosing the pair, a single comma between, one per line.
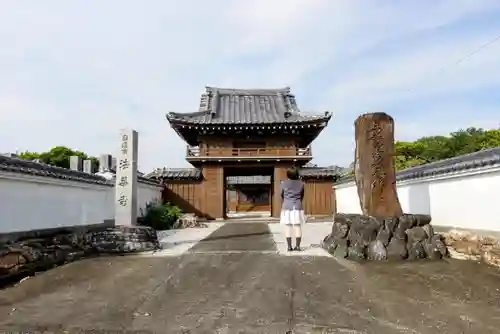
(292,217)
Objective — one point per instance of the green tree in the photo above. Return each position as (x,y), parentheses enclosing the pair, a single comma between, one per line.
(57,156)
(434,148)
(490,139)
(29,155)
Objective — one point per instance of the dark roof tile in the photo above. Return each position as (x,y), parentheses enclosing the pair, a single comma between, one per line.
(318,172)
(196,174)
(17,165)
(175,174)
(247,106)
(485,158)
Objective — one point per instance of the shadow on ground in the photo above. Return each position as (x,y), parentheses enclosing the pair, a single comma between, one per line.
(238,237)
(254,293)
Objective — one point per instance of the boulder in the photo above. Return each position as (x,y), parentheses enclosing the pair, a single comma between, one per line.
(384,236)
(377,251)
(356,251)
(396,250)
(416,234)
(341,249)
(339,230)
(416,251)
(188,220)
(329,244)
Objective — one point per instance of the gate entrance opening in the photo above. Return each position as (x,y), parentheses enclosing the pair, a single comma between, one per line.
(248,191)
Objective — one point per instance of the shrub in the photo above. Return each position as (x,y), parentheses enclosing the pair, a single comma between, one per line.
(160,216)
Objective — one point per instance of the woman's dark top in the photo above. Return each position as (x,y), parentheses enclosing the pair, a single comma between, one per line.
(292,193)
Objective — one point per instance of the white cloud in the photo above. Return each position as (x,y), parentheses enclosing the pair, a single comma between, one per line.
(420,73)
(74,72)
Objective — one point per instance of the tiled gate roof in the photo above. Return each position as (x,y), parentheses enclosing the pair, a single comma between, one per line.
(247,106)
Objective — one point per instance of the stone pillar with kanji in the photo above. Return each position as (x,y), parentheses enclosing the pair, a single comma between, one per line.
(126,179)
(383,231)
(374,168)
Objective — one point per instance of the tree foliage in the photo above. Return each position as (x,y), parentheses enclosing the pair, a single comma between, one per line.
(160,216)
(434,148)
(57,156)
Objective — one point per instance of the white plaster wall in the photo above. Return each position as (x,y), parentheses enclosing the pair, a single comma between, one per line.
(145,194)
(471,202)
(468,200)
(347,200)
(32,203)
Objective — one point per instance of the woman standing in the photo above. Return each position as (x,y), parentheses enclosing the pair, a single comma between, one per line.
(292,212)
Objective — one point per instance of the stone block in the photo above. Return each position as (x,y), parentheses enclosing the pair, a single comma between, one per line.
(88,166)
(76,163)
(105,162)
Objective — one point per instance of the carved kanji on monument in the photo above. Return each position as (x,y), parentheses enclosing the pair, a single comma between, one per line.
(374,165)
(382,231)
(126,179)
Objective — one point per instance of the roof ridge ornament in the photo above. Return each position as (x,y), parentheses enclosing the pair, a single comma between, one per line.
(247,91)
(214,103)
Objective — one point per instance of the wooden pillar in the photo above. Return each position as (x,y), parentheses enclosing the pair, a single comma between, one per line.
(213,191)
(374,168)
(279,175)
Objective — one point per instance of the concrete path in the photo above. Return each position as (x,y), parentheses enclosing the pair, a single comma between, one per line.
(312,234)
(178,242)
(235,282)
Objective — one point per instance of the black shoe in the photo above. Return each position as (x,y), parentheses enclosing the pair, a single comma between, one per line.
(297,248)
(289,244)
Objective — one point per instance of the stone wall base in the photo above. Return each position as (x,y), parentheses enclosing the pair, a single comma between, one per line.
(28,255)
(360,237)
(468,245)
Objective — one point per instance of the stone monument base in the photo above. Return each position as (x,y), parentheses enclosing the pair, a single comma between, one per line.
(361,237)
(125,239)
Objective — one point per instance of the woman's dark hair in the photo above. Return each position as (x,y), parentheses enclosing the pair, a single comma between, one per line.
(292,174)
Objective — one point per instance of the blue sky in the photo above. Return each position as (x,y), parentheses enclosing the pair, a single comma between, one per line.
(74,72)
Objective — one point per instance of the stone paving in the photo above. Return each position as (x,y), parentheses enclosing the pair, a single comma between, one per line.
(236,280)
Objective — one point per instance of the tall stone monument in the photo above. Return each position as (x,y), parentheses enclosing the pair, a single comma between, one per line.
(126,179)
(374,168)
(382,231)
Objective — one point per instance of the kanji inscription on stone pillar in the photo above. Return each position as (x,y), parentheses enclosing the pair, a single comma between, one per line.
(374,168)
(126,179)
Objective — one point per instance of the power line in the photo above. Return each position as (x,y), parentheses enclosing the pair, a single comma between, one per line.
(467,56)
(476,51)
